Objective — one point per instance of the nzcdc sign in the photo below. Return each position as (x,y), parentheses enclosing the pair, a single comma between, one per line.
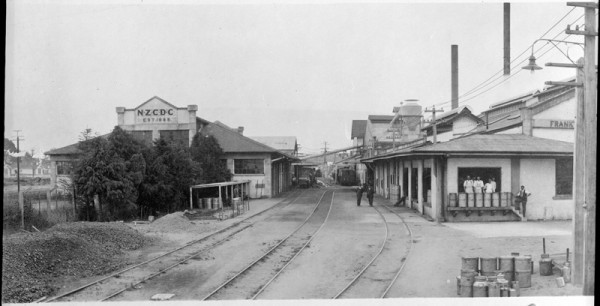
(156,115)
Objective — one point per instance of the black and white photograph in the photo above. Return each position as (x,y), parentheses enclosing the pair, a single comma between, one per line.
(300,152)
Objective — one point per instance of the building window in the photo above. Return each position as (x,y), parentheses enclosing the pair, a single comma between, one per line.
(180,137)
(64,167)
(485,174)
(564,176)
(249,166)
(144,137)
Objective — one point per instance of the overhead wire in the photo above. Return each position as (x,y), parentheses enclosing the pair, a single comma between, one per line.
(524,51)
(487,82)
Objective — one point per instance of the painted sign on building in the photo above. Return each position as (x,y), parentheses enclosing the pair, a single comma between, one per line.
(152,113)
(554,124)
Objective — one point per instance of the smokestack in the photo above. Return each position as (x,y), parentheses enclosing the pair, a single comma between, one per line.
(454,69)
(506,38)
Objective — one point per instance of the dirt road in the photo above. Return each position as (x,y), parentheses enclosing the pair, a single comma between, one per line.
(335,247)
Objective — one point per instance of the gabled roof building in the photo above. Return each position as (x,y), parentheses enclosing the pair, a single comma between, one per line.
(267,168)
(526,140)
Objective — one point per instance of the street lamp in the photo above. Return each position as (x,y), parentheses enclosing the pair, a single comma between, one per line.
(532,66)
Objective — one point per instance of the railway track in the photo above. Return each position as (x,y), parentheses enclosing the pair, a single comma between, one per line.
(377,272)
(116,283)
(254,278)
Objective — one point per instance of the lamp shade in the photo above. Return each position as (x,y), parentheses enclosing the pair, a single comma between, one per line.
(532,65)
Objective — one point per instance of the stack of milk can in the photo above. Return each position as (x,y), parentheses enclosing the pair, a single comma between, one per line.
(494,276)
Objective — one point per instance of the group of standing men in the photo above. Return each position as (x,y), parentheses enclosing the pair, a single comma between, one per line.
(370,192)
(477,186)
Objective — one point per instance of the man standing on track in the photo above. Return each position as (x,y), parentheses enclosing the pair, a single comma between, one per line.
(359,193)
(370,192)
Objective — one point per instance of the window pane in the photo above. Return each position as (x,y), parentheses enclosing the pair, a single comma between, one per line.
(63,167)
(144,137)
(177,136)
(564,176)
(249,166)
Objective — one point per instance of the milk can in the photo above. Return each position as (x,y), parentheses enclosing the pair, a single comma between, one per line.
(515,285)
(480,287)
(493,289)
(545,265)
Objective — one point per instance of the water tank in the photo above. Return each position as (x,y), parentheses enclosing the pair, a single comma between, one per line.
(410,108)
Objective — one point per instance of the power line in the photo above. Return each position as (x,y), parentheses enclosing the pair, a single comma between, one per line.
(505,79)
(521,54)
(487,82)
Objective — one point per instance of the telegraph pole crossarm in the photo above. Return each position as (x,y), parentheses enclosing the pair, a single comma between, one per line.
(433,110)
(586,141)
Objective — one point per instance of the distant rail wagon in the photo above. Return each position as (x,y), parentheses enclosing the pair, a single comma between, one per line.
(346,177)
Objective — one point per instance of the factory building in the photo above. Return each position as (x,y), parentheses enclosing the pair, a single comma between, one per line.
(525,140)
(267,168)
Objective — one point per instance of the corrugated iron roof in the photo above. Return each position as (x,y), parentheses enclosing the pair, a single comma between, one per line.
(515,99)
(234,142)
(499,143)
(484,144)
(359,128)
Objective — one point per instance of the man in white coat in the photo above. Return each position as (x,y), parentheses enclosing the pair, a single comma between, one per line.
(468,185)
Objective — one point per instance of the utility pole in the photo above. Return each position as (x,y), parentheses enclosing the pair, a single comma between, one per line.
(325,152)
(21,204)
(587,168)
(433,111)
(18,162)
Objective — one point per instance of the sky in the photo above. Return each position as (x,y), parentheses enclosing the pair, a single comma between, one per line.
(303,69)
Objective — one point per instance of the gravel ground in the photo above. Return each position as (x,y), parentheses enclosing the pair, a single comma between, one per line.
(33,263)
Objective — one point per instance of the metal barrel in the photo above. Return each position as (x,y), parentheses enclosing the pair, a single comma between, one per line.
(523,277)
(515,285)
(487,200)
(466,286)
(470,200)
(452,200)
(503,199)
(489,265)
(546,267)
(496,199)
(480,287)
(493,289)
(522,263)
(478,199)
(462,199)
(470,263)
(506,264)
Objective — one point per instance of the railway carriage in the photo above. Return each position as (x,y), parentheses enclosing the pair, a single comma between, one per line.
(346,177)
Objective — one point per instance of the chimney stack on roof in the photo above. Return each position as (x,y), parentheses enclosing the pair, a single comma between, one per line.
(240,130)
(454,72)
